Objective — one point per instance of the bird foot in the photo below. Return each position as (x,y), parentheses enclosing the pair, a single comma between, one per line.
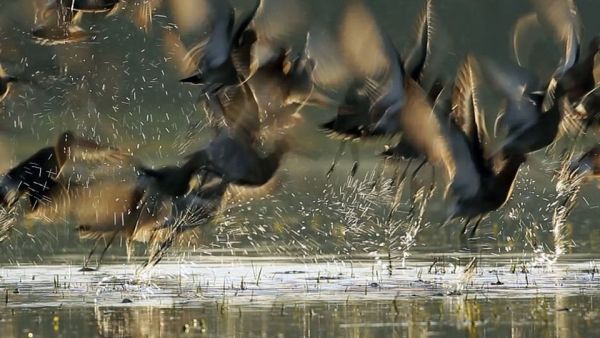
(330,171)
(354,169)
(87,269)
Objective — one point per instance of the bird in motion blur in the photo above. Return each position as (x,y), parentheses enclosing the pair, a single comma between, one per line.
(479,184)
(38,178)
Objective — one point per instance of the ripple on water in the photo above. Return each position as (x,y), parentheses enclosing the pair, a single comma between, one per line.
(265,281)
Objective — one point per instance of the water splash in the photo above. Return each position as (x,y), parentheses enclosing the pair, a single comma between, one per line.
(568,187)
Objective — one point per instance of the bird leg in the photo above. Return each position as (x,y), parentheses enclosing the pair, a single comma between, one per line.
(354,151)
(130,248)
(338,154)
(112,238)
(472,234)
(396,172)
(89,256)
(377,180)
(432,186)
(158,255)
(412,187)
(416,171)
(413,176)
(464,230)
(402,177)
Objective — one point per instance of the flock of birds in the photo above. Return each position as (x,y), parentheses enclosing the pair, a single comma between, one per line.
(254,85)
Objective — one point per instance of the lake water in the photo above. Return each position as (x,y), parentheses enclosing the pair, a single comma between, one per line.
(309,260)
(274,297)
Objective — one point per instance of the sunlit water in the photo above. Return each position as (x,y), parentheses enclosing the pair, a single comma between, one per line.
(269,296)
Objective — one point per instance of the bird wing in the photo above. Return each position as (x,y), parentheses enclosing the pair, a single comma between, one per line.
(420,127)
(392,98)
(460,165)
(89,151)
(240,110)
(466,107)
(362,43)
(516,85)
(524,26)
(218,45)
(278,20)
(596,70)
(245,21)
(102,207)
(562,18)
(184,61)
(238,194)
(243,39)
(189,16)
(418,57)
(275,23)
(330,68)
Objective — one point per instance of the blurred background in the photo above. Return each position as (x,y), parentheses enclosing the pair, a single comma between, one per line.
(122,88)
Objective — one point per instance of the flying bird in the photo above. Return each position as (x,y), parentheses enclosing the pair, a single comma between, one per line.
(37,178)
(479,184)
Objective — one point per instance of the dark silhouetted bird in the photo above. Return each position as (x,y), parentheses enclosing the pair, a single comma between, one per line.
(197,208)
(214,56)
(528,127)
(141,208)
(479,184)
(238,161)
(284,85)
(562,19)
(37,177)
(415,66)
(375,88)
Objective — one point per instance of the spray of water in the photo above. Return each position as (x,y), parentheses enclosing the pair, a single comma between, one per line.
(568,187)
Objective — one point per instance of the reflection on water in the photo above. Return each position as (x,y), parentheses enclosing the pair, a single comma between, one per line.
(556,316)
(449,296)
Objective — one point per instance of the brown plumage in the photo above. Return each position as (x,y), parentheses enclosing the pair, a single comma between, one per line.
(38,177)
(479,184)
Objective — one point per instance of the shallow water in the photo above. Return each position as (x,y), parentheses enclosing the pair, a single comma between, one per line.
(269,296)
(546,316)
